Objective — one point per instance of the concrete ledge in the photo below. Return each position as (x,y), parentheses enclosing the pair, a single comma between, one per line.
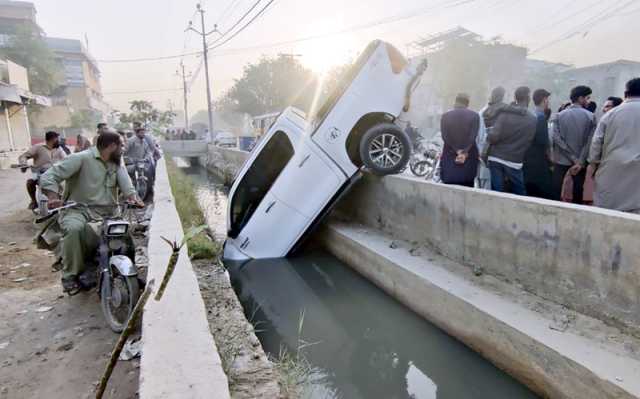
(179,358)
(225,162)
(518,340)
(585,258)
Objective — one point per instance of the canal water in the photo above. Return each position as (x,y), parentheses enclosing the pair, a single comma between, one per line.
(358,341)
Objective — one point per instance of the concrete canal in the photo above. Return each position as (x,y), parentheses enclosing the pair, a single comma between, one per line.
(358,341)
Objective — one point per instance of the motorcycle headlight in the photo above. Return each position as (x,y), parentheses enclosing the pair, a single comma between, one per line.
(117,229)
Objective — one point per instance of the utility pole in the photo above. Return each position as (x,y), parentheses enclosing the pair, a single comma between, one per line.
(205,51)
(184,92)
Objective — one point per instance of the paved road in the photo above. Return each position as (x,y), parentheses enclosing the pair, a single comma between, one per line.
(14,195)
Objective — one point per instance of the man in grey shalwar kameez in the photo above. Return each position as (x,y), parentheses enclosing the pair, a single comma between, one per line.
(615,150)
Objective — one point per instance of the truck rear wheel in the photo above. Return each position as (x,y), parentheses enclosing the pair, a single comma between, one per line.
(385,149)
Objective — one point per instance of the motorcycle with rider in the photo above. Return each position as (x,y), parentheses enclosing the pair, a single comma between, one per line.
(85,226)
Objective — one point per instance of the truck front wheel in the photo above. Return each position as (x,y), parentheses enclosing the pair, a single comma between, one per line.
(385,149)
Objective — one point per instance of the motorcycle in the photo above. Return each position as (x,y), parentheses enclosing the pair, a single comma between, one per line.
(427,166)
(41,199)
(138,170)
(113,269)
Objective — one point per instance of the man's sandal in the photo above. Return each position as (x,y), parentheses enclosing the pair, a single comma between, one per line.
(71,287)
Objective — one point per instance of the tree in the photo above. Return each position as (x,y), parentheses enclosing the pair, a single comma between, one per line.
(144,112)
(85,119)
(269,86)
(28,48)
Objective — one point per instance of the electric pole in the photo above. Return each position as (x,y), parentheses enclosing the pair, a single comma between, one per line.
(205,52)
(183,74)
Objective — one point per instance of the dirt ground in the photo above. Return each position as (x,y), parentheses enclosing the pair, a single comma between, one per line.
(250,373)
(51,346)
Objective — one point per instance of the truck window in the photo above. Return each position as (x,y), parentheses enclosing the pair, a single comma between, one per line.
(257,182)
(343,84)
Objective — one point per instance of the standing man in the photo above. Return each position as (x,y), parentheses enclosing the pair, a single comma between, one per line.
(610,104)
(537,165)
(459,128)
(509,141)
(615,150)
(572,132)
(94,178)
(44,155)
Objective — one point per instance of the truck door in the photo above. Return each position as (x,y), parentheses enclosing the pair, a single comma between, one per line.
(260,224)
(308,182)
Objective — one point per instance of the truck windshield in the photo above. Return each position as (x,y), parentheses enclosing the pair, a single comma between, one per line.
(257,182)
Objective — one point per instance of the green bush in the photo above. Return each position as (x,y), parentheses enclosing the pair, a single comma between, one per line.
(200,246)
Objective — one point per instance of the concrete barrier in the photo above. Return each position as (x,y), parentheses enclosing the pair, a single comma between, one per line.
(225,162)
(510,328)
(179,358)
(585,258)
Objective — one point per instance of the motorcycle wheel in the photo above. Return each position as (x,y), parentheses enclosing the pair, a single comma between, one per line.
(420,168)
(142,189)
(125,291)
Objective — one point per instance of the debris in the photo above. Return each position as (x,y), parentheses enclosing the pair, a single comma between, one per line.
(4,390)
(43,309)
(41,351)
(12,243)
(66,347)
(20,266)
(19,280)
(393,245)
(4,345)
(20,313)
(132,349)
(478,270)
(619,379)
(561,323)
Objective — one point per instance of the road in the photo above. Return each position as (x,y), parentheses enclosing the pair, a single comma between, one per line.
(51,346)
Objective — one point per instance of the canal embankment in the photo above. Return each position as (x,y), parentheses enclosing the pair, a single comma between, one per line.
(546,291)
(180,358)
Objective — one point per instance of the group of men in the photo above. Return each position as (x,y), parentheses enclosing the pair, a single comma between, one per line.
(568,156)
(95,176)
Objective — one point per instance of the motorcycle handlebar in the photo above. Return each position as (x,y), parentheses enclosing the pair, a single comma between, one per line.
(69,205)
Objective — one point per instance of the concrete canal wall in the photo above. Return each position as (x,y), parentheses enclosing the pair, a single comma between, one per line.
(587,259)
(224,162)
(179,357)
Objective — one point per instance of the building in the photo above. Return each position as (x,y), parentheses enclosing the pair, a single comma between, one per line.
(13,16)
(604,79)
(461,61)
(80,90)
(15,134)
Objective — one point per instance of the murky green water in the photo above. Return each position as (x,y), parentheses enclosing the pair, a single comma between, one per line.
(359,342)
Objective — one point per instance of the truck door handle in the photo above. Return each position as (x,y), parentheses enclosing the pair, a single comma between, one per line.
(269,207)
(304,160)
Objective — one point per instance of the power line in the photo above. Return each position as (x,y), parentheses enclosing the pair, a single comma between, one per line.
(589,23)
(384,21)
(244,26)
(236,23)
(112,93)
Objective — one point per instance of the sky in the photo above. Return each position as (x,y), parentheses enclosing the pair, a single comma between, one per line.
(579,32)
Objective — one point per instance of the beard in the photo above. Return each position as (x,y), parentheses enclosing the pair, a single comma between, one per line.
(116,157)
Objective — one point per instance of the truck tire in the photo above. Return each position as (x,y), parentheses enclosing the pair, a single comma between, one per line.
(385,149)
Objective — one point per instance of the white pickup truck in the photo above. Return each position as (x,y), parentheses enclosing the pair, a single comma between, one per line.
(302,167)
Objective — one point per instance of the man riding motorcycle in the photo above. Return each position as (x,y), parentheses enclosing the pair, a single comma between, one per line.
(142,147)
(94,178)
(44,155)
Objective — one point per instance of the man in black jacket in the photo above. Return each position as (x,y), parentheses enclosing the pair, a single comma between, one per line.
(509,141)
